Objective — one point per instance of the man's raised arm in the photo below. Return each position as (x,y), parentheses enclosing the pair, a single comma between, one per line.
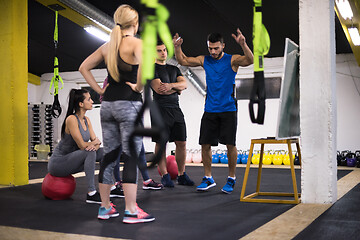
(247,58)
(182,58)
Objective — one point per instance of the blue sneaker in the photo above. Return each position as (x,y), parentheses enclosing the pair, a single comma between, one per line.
(107,213)
(166,181)
(206,184)
(229,186)
(185,180)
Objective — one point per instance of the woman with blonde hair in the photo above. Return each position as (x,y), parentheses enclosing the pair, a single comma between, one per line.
(121,102)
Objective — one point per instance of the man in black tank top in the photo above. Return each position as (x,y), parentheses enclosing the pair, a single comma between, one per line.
(166,86)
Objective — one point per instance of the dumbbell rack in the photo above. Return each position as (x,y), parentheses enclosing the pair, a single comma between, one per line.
(34,128)
(49,128)
(41,127)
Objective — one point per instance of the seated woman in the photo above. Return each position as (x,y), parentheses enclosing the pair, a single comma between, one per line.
(79,147)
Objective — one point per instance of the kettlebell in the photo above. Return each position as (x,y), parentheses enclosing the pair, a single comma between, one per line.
(278,158)
(245,157)
(267,158)
(343,161)
(224,157)
(287,158)
(255,158)
(189,155)
(239,155)
(215,157)
(296,159)
(357,155)
(196,158)
(338,158)
(351,159)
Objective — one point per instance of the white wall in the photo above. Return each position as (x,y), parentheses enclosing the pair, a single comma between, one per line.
(192,104)
(348,102)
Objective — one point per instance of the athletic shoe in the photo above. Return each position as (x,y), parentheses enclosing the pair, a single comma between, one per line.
(206,184)
(229,186)
(94,198)
(166,181)
(139,217)
(107,213)
(117,192)
(152,185)
(185,180)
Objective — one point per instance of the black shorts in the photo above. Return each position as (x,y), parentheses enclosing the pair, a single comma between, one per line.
(218,128)
(174,124)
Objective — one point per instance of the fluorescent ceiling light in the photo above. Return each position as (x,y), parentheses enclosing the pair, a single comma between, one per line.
(354,34)
(344,9)
(97,33)
(101,25)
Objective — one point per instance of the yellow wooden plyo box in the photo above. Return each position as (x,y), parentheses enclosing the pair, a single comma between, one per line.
(254,197)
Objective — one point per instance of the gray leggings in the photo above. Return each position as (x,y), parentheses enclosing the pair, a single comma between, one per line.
(117,123)
(74,162)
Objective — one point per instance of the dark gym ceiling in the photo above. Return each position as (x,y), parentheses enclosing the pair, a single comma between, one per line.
(192,19)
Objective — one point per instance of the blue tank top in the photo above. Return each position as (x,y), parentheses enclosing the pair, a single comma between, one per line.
(220,84)
(67,144)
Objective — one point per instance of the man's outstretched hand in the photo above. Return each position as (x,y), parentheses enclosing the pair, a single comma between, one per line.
(239,37)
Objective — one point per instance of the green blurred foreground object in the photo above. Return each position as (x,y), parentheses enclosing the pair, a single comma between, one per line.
(261,45)
(154,24)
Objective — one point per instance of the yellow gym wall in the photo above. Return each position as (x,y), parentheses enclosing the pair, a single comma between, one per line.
(13,92)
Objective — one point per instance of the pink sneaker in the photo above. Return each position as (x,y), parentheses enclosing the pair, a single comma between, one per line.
(152,185)
(139,217)
(107,213)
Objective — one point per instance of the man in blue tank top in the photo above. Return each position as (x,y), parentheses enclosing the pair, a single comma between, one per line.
(219,121)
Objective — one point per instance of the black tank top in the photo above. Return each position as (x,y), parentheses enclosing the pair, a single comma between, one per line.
(120,90)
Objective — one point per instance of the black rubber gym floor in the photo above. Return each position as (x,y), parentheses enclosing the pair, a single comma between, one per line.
(340,221)
(181,212)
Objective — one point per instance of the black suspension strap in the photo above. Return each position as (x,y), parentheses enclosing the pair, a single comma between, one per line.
(258,96)
(157,129)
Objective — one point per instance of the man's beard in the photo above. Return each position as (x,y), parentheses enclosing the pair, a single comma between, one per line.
(219,55)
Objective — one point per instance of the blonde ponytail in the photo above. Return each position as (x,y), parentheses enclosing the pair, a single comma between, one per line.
(113,53)
(124,17)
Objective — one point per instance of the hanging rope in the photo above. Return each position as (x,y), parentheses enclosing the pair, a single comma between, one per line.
(56,108)
(154,24)
(261,44)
